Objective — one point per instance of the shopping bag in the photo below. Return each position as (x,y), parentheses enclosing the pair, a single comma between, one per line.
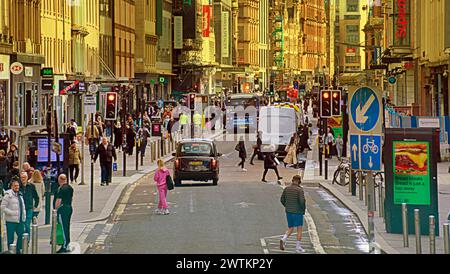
(59,234)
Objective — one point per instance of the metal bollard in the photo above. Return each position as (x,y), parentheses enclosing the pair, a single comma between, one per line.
(380,200)
(417,231)
(158,151)
(34,236)
(405,225)
(343,180)
(25,238)
(432,234)
(13,248)
(366,189)
(361,191)
(383,194)
(446,240)
(326,169)
(53,233)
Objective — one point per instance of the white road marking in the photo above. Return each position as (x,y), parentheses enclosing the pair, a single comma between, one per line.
(313,235)
(191,203)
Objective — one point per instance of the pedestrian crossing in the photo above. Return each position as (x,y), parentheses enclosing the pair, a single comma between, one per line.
(271,245)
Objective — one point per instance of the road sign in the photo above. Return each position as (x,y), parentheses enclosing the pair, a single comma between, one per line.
(355,152)
(90,102)
(392,80)
(370,149)
(366,111)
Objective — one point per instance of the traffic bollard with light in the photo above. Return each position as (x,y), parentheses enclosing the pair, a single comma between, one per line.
(432,234)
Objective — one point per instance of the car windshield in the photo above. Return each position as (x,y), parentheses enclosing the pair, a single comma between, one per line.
(196,149)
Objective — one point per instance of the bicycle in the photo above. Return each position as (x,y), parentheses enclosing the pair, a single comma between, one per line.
(343,165)
(378,178)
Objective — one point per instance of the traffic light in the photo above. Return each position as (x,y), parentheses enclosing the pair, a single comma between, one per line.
(271,89)
(111,106)
(325,103)
(192,101)
(336,103)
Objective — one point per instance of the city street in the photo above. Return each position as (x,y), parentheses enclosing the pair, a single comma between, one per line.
(240,215)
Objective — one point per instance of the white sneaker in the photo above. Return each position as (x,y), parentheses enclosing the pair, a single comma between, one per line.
(244,170)
(166,211)
(158,212)
(299,250)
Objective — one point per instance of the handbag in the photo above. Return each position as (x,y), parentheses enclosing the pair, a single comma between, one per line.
(59,234)
(169,182)
(237,147)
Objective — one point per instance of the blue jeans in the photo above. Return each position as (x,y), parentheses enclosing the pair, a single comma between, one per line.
(15,228)
(29,214)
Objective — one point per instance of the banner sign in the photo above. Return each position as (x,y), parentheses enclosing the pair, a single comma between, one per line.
(178,32)
(206,20)
(411,161)
(402,23)
(225,34)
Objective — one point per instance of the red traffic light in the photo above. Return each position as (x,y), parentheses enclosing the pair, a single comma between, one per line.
(335,95)
(326,95)
(111,97)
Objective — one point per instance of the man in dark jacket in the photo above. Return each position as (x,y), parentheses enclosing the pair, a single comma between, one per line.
(4,166)
(107,152)
(30,197)
(269,163)
(293,199)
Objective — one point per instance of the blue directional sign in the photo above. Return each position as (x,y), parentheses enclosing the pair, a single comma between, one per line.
(370,149)
(365,109)
(354,151)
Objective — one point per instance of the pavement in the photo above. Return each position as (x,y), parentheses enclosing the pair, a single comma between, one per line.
(387,242)
(105,197)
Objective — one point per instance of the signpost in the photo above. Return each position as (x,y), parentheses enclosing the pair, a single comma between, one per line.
(366,116)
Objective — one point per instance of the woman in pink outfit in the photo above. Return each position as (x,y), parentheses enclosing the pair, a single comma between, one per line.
(160,180)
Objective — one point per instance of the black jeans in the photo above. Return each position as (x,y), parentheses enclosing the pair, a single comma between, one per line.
(267,169)
(64,216)
(73,168)
(255,153)
(242,162)
(106,172)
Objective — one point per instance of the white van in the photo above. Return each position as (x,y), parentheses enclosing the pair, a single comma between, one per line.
(277,125)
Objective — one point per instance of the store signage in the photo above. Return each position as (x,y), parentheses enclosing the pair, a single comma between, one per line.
(225,51)
(67,87)
(16,68)
(4,67)
(178,32)
(402,22)
(47,72)
(47,84)
(29,71)
(206,20)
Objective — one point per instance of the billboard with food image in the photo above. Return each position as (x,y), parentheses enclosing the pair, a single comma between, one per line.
(411,172)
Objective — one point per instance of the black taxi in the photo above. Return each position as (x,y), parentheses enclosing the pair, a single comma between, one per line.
(196,160)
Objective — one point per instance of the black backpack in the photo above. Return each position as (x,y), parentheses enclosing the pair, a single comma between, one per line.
(169,182)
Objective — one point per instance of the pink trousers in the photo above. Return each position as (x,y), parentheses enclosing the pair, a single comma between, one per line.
(162,191)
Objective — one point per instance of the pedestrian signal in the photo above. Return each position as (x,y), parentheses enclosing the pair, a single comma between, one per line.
(192,101)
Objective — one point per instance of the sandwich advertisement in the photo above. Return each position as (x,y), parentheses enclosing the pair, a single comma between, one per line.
(411,160)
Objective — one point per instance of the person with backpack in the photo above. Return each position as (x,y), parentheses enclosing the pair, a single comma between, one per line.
(160,179)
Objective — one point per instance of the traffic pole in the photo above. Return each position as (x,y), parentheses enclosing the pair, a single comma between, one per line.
(432,234)
(417,231)
(446,239)
(405,225)
(370,213)
(92,165)
(54,222)
(361,192)
(326,168)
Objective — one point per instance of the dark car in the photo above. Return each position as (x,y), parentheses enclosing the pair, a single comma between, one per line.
(196,160)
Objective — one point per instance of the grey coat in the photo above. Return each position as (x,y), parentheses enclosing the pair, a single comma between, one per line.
(10,206)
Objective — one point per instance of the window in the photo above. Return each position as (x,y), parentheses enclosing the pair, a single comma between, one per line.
(352,5)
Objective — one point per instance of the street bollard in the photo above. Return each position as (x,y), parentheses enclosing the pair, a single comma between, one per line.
(383,194)
(353,179)
(34,236)
(320,159)
(432,234)
(417,231)
(380,200)
(158,149)
(343,180)
(366,190)
(153,151)
(446,240)
(3,246)
(13,248)
(25,238)
(405,225)
(53,233)
(361,192)
(326,169)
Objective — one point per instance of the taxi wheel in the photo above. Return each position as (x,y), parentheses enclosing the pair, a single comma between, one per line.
(215,181)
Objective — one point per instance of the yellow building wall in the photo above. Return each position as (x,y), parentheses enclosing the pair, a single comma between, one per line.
(92,62)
